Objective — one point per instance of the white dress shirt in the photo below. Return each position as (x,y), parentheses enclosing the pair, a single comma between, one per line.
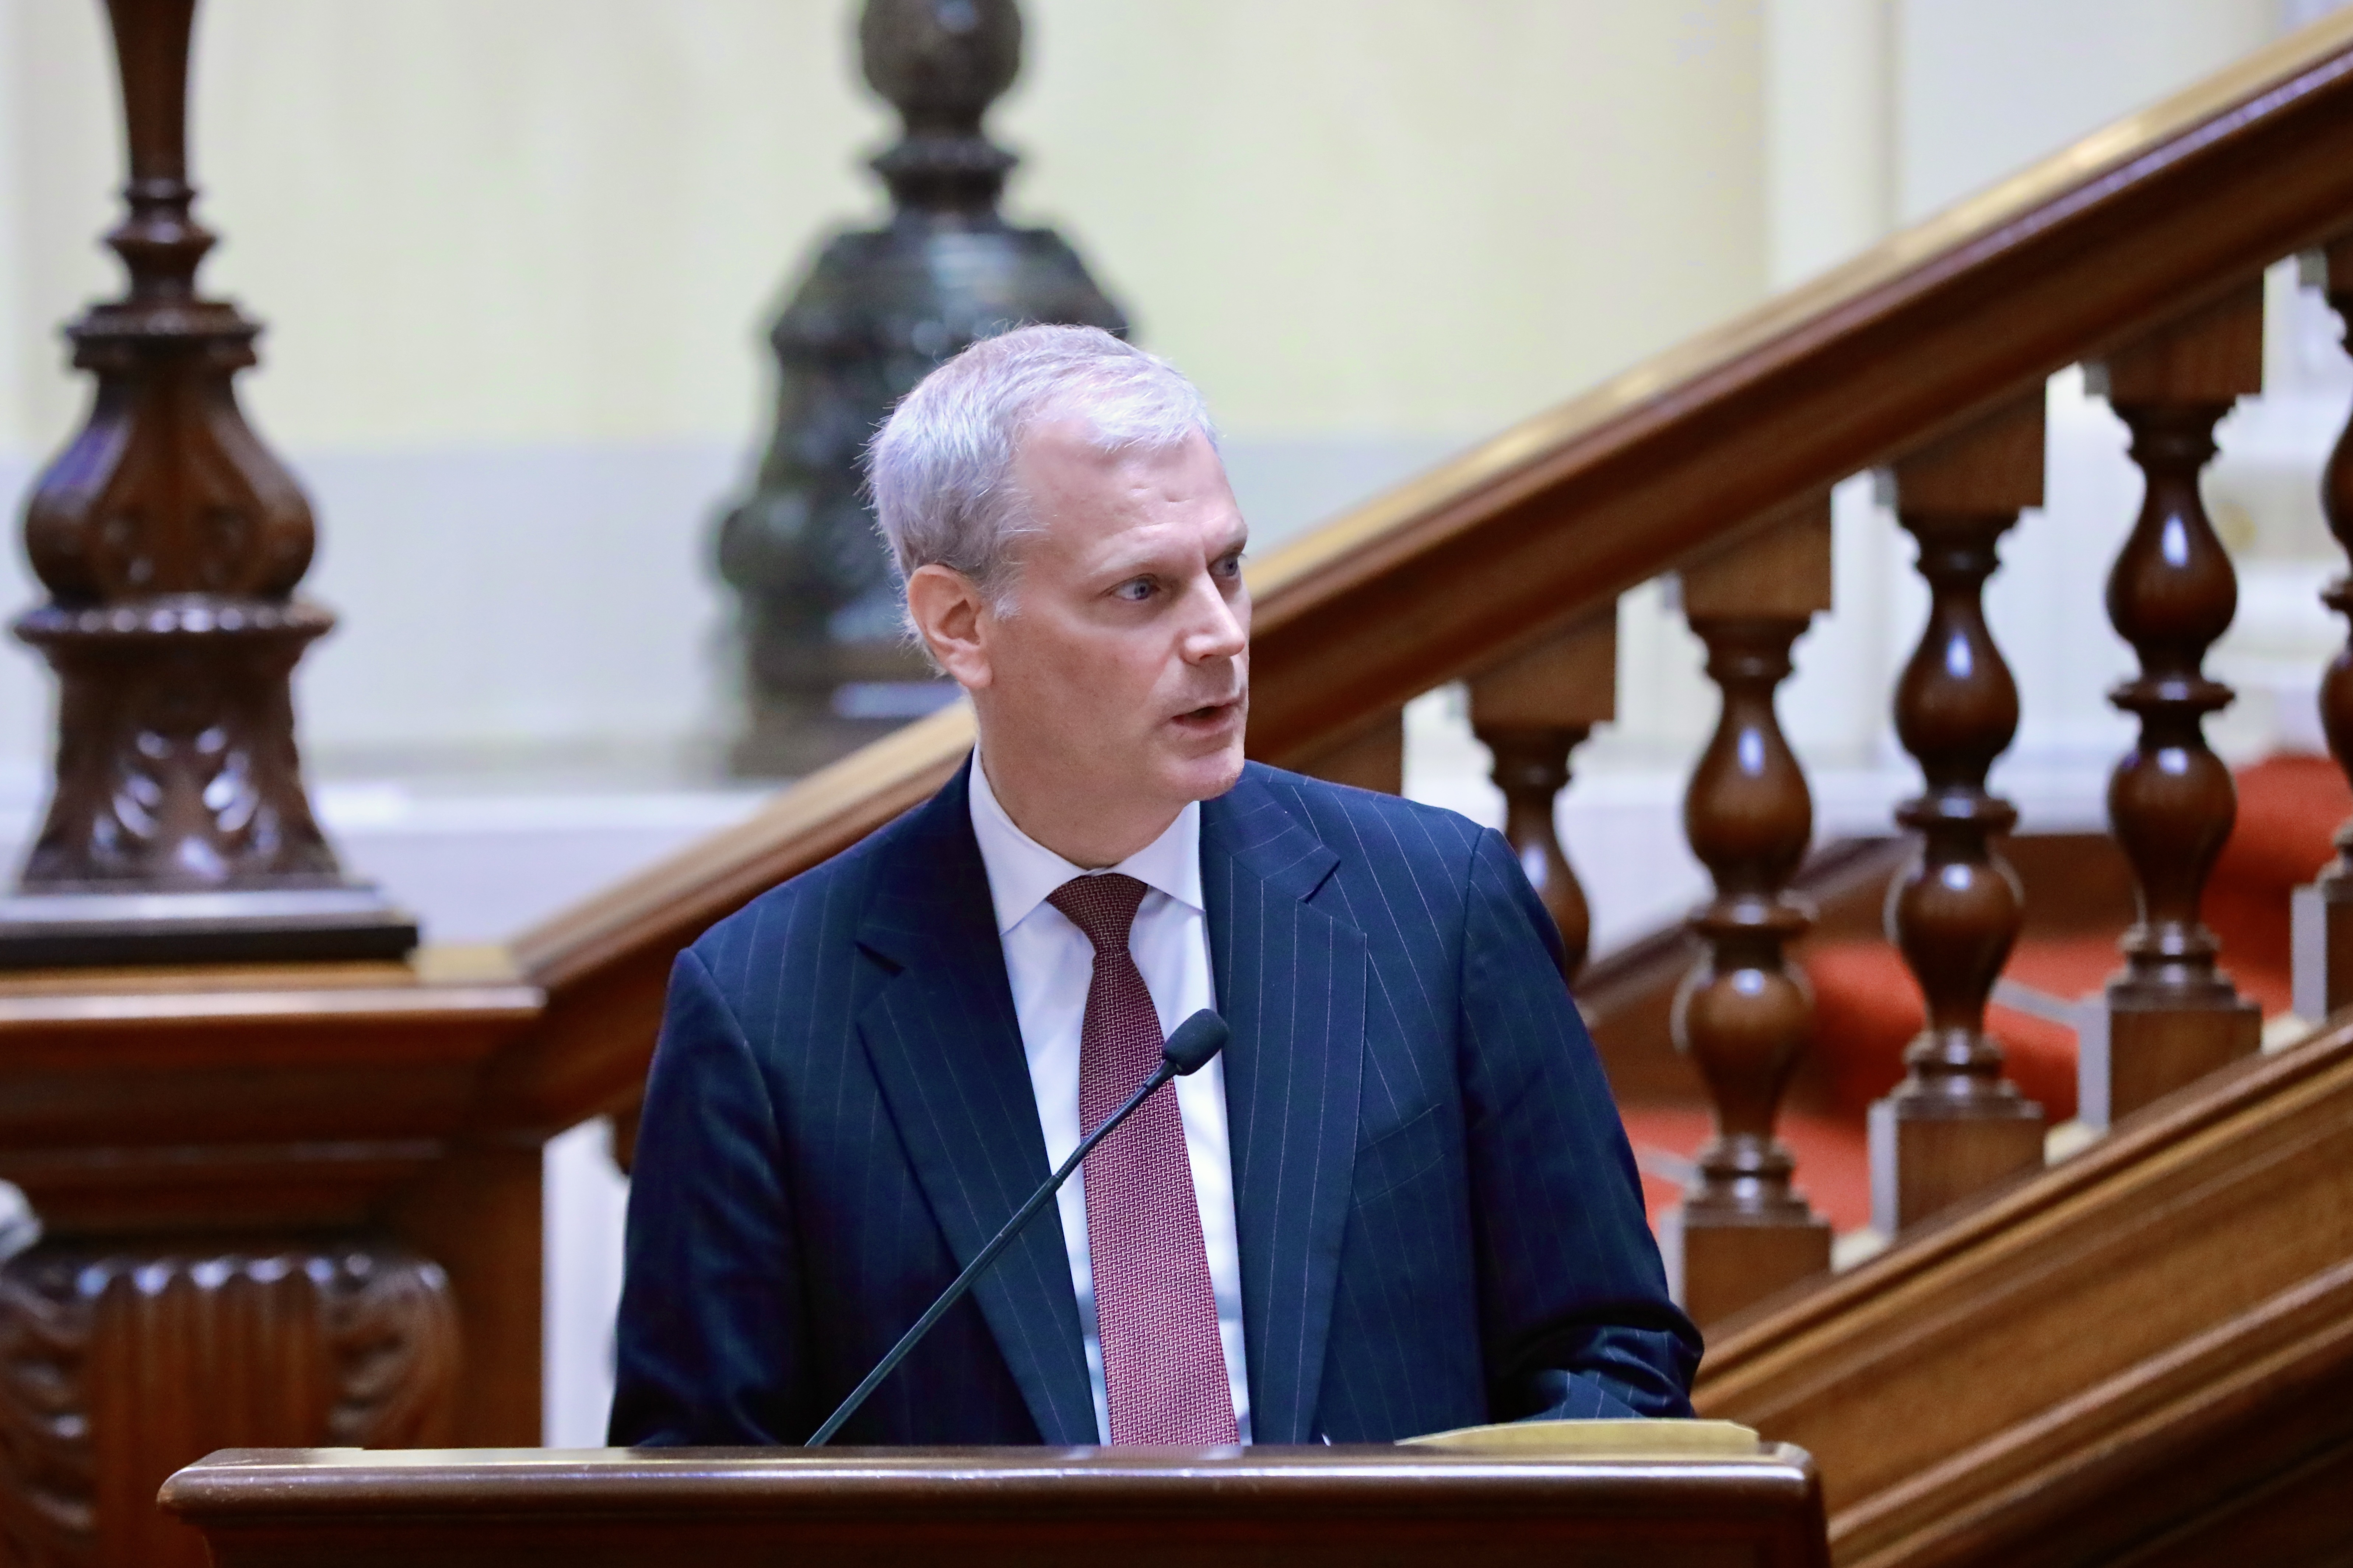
(1051,965)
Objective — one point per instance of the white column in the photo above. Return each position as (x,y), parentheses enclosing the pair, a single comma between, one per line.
(585,1200)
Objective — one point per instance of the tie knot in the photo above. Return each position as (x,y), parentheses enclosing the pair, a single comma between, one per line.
(1104,907)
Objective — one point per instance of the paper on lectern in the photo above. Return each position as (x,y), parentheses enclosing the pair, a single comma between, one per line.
(1583,1440)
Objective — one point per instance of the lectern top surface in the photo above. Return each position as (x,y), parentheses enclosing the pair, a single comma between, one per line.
(435,1480)
(1368,1506)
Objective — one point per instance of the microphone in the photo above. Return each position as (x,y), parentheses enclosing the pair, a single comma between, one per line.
(1189,1050)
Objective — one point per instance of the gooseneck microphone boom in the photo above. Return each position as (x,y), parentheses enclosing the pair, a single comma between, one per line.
(1197,1039)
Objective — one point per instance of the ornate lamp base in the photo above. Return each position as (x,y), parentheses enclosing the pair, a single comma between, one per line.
(50,930)
(828,667)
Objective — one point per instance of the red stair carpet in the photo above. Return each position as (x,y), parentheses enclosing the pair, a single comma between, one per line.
(1867,1009)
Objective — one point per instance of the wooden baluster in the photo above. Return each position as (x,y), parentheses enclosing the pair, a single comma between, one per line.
(1533,713)
(2324,912)
(1369,757)
(2172,1016)
(1955,1125)
(1744,1232)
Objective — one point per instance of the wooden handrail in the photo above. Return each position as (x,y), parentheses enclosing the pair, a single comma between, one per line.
(1507,544)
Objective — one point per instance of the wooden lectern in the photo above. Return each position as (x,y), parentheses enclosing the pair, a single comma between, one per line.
(1636,1501)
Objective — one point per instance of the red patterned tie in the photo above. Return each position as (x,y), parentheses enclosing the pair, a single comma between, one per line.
(1164,1366)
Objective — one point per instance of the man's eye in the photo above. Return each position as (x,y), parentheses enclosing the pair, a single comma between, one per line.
(1135,592)
(1232,565)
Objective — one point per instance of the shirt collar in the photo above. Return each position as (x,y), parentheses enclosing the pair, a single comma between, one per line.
(1023,873)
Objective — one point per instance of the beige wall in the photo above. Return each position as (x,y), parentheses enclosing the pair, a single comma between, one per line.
(485,221)
(1391,215)
(473,222)
(1988,86)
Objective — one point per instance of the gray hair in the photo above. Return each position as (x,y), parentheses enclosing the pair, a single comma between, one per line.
(941,469)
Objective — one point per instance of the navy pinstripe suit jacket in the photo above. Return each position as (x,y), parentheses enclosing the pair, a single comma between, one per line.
(1439,1217)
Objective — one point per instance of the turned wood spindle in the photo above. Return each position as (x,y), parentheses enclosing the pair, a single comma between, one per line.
(1532,713)
(2324,912)
(1743,1014)
(2173,1016)
(1955,1125)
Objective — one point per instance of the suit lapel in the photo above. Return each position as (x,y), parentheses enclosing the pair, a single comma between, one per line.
(1291,982)
(946,1049)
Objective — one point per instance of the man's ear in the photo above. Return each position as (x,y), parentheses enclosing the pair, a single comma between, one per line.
(952,616)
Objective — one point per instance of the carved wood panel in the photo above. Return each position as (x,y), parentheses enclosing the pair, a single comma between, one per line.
(119,1364)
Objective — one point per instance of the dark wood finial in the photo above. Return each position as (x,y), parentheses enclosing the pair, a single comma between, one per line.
(940,63)
(1743,1014)
(171,542)
(1955,1125)
(2173,1015)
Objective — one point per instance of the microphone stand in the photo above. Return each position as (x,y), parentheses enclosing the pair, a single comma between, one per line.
(1197,1039)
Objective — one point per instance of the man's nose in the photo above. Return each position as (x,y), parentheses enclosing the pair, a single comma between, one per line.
(1216,631)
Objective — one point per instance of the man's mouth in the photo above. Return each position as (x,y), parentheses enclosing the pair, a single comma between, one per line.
(1210,715)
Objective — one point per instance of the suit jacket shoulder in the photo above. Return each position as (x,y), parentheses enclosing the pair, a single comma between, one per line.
(818,907)
(1351,819)
(1397,864)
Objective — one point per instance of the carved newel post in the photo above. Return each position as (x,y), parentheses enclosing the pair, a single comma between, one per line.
(827,669)
(171,542)
(1744,1014)
(1955,1125)
(2173,1016)
(200,1284)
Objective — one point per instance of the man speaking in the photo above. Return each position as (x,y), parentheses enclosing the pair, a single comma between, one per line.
(1399,1201)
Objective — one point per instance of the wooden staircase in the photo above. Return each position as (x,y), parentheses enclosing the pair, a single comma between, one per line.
(2143,1354)
(2138,1355)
